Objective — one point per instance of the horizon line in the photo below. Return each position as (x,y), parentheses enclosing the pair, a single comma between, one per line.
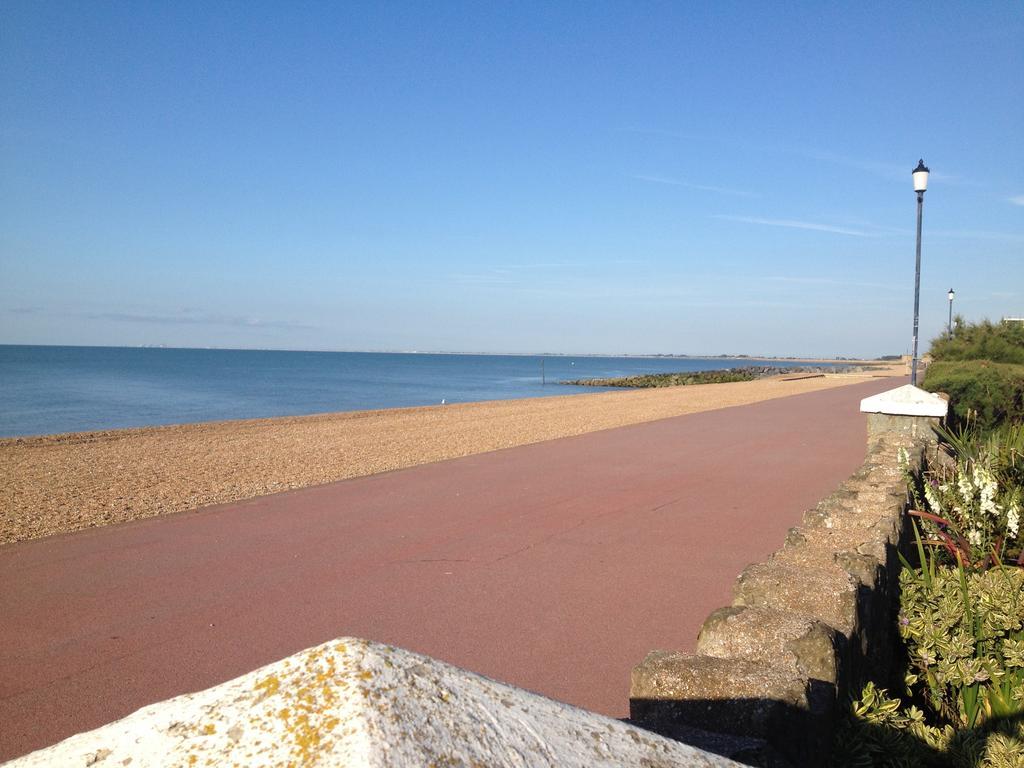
(681,355)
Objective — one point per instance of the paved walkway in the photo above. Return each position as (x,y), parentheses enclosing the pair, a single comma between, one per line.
(553,566)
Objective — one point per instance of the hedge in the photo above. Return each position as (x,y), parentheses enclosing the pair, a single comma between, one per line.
(998,342)
(983,390)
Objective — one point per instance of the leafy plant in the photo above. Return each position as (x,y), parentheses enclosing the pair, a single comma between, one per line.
(880,730)
(964,635)
(961,618)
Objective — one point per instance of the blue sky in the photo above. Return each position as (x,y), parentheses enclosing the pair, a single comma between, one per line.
(570,177)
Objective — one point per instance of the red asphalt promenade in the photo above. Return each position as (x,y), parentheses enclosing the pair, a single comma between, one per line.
(553,566)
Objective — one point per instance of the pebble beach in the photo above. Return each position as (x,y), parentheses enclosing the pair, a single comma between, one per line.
(62,483)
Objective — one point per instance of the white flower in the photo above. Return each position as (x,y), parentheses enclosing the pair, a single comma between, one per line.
(986,484)
(963,483)
(974,536)
(903,458)
(1013,520)
(932,499)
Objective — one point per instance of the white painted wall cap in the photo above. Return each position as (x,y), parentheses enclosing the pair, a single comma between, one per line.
(356,702)
(907,400)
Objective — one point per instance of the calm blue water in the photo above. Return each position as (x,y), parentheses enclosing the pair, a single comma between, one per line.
(45,390)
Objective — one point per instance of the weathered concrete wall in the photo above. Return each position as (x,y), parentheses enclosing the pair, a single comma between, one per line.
(352,702)
(806,626)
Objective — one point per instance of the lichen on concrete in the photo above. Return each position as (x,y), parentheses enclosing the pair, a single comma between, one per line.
(351,702)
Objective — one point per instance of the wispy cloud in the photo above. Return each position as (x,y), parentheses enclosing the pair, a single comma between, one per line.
(485,279)
(660,132)
(536,265)
(979,234)
(833,281)
(893,171)
(197,318)
(793,224)
(885,170)
(691,185)
(510,275)
(1017,200)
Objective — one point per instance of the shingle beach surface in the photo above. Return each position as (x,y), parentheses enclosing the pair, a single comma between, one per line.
(62,483)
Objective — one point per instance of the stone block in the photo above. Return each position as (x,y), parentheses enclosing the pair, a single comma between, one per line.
(726,695)
(818,590)
(771,637)
(748,750)
(831,517)
(735,696)
(866,569)
(920,427)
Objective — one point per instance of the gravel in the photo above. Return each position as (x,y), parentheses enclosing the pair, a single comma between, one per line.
(62,483)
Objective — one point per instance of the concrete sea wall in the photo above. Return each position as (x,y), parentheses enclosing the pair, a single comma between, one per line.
(806,627)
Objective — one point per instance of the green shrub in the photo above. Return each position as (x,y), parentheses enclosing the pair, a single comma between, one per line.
(998,342)
(882,732)
(964,634)
(962,608)
(961,619)
(992,392)
(964,639)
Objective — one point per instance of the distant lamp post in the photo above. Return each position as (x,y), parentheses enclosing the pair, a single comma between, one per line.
(920,185)
(950,296)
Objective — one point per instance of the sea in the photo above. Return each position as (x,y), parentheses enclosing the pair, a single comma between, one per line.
(52,389)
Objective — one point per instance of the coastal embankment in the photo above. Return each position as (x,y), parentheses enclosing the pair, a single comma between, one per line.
(62,483)
(721,376)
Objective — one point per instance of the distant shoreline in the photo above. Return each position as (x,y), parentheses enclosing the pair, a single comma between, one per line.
(641,356)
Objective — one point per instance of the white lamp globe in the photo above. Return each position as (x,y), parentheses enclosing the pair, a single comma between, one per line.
(920,177)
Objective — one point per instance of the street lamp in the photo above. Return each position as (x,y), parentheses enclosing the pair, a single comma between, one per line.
(950,296)
(920,185)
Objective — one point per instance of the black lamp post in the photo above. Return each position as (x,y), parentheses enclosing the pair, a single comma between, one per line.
(920,185)
(949,326)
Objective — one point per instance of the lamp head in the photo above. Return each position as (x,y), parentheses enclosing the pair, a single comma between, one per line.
(920,177)
(951,294)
